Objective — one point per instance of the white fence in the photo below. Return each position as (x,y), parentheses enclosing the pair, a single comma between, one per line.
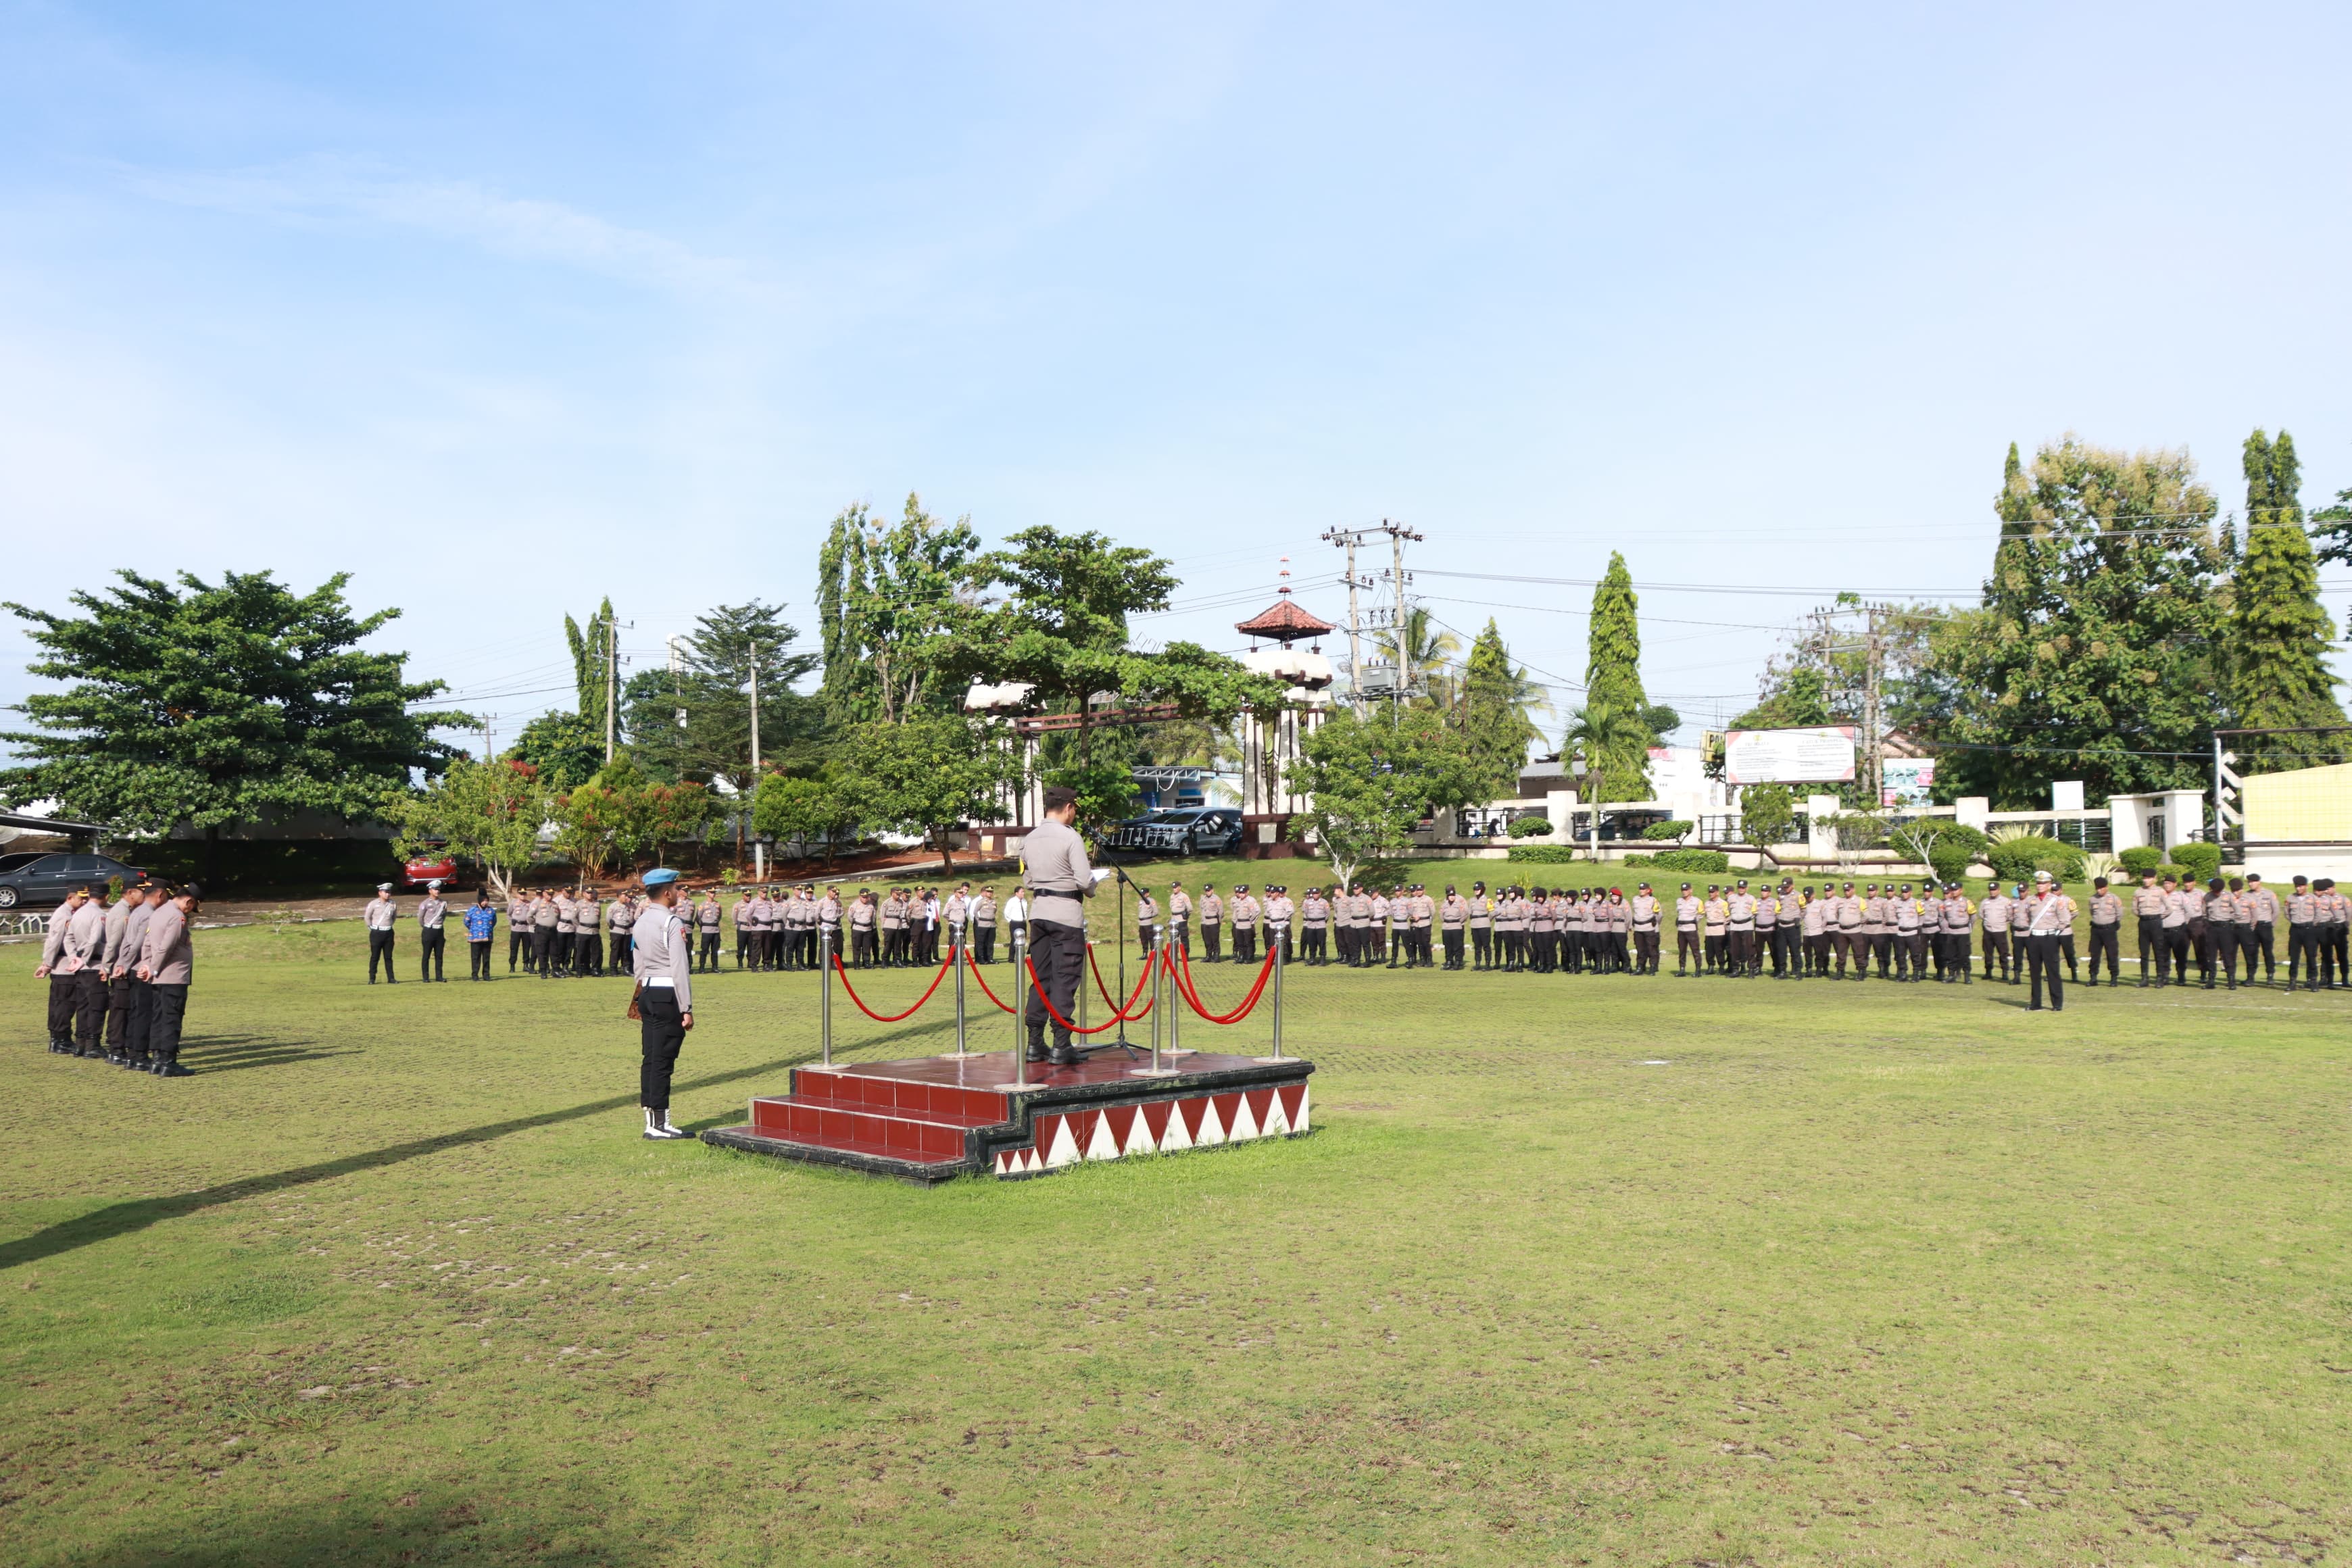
(23,924)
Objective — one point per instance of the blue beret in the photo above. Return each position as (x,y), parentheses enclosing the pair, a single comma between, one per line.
(660,876)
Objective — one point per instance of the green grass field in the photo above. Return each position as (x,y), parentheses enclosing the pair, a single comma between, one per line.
(1572,1269)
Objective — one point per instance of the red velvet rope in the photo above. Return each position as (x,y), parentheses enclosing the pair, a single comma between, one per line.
(894,1017)
(984,991)
(1182,964)
(1120,1013)
(1039,986)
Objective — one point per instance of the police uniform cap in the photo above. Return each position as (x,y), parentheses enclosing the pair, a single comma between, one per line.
(659,876)
(383,886)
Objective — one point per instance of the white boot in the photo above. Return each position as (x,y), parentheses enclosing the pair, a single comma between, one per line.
(670,1131)
(657,1126)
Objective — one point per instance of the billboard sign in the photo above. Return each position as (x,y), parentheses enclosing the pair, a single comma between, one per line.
(1822,755)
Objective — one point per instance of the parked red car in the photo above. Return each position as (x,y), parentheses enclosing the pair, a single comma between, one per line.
(424,869)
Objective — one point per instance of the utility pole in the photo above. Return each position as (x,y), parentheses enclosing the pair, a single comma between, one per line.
(1347,539)
(1873,670)
(486,753)
(1403,631)
(612,686)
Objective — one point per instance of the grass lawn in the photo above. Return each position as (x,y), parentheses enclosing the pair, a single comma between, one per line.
(1572,1269)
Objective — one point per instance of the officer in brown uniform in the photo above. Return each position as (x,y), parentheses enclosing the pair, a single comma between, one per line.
(2148,907)
(1212,924)
(2260,912)
(2107,932)
(2303,935)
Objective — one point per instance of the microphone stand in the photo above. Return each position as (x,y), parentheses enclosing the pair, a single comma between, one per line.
(1119,1005)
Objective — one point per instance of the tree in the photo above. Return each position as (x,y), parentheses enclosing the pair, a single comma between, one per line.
(2093,657)
(1613,738)
(930,774)
(893,606)
(592,660)
(206,704)
(2334,533)
(822,810)
(1427,648)
(1766,810)
(694,722)
(488,813)
(564,748)
(1795,697)
(2279,633)
(1612,666)
(1493,712)
(1372,780)
(587,822)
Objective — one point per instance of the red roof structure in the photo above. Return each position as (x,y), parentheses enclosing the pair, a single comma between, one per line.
(1284,622)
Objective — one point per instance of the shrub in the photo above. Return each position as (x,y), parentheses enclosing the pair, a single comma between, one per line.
(1530,827)
(2203,861)
(1706,861)
(1542,854)
(2016,859)
(1949,858)
(2147,857)
(1663,830)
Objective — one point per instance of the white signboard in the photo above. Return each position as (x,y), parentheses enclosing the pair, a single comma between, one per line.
(1905,781)
(1821,755)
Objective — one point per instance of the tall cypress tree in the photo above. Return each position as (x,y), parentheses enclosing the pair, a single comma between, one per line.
(1612,668)
(1492,712)
(2279,633)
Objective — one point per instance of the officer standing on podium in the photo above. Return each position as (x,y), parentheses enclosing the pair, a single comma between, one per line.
(1058,879)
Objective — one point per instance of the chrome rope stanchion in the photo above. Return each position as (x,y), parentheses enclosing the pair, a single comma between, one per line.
(956,936)
(825,999)
(1280,931)
(1021,984)
(1160,961)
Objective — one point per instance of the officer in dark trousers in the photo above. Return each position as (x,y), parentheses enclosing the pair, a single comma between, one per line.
(167,963)
(432,934)
(380,914)
(664,1002)
(1058,881)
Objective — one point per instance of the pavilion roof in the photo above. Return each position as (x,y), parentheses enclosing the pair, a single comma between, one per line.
(1285,621)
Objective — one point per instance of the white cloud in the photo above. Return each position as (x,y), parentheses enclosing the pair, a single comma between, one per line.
(326,193)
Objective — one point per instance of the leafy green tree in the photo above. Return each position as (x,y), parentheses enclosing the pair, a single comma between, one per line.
(820,810)
(930,774)
(2332,532)
(694,724)
(1795,698)
(894,605)
(1495,711)
(1766,810)
(1106,789)
(488,813)
(564,749)
(1374,781)
(592,659)
(588,818)
(206,704)
(2094,655)
(2279,633)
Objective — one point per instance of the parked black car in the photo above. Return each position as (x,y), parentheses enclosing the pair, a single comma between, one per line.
(43,878)
(1186,830)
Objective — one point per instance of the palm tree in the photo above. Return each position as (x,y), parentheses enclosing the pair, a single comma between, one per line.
(1614,741)
(1434,652)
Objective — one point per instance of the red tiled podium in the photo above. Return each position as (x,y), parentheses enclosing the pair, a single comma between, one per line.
(937,1117)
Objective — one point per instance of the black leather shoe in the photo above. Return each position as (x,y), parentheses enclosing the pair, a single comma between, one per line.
(1067,1057)
(174,1069)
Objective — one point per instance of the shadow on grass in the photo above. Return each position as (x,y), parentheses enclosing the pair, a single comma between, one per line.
(235,1053)
(439,1522)
(138,1214)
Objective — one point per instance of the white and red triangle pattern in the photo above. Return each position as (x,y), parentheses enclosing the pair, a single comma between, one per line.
(1158,1127)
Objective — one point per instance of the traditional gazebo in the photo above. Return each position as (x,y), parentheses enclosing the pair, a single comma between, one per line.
(1270,742)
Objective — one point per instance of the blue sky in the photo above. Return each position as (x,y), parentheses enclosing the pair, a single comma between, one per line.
(505,308)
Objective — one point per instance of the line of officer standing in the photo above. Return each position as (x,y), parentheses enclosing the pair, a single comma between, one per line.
(119,972)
